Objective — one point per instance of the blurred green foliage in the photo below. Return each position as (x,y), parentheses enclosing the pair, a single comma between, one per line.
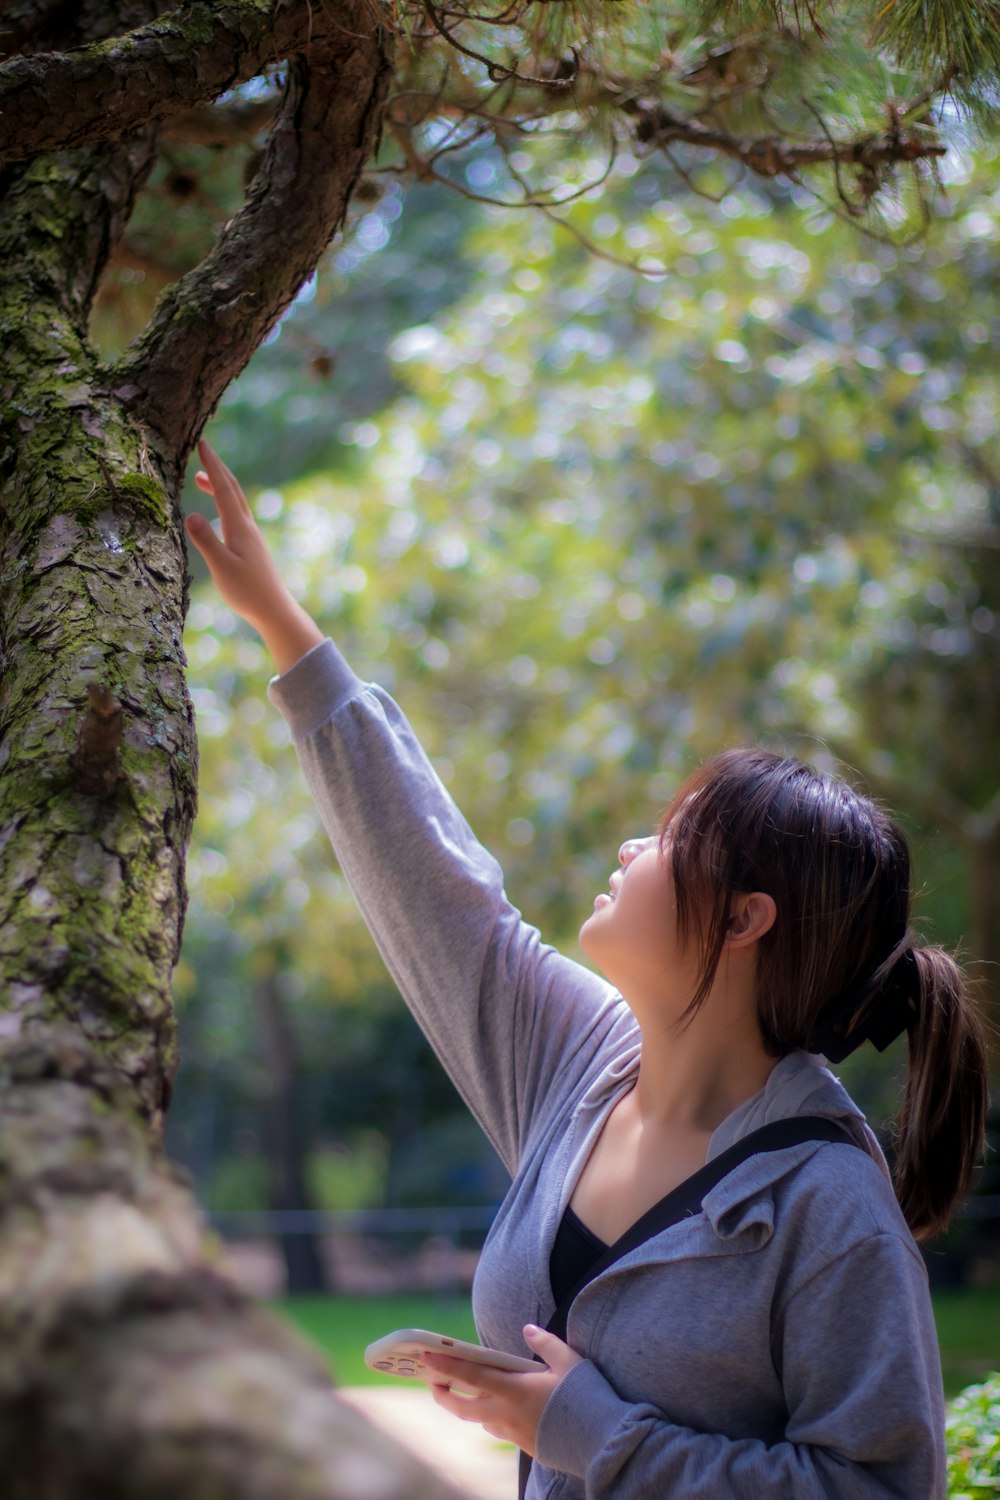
(613,523)
(973,1433)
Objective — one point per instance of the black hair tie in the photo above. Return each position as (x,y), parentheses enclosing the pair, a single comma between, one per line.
(893,1013)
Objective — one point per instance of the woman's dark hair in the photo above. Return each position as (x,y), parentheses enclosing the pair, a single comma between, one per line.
(838,868)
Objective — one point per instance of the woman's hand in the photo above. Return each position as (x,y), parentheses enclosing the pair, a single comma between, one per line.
(243,570)
(507,1406)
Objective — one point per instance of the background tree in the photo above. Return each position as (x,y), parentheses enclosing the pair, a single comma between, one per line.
(128,1363)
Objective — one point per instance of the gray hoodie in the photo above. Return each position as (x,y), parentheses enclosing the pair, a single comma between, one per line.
(779,1343)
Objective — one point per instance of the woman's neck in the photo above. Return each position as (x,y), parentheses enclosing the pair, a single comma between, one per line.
(692,1080)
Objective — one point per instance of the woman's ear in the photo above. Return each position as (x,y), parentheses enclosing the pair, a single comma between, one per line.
(753,915)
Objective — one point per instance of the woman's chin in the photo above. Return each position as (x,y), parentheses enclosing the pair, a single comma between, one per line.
(589,931)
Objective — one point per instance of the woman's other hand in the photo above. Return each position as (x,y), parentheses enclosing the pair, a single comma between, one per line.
(508,1406)
(243,569)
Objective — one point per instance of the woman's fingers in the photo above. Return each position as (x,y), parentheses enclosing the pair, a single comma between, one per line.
(213,481)
(553,1350)
(223,484)
(211,547)
(462,1372)
(466,1408)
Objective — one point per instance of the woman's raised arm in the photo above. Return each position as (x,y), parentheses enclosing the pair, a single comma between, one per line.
(515,1023)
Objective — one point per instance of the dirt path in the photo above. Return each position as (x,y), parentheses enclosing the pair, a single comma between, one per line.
(461,1451)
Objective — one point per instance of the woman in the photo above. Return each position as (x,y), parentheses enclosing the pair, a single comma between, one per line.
(780,1341)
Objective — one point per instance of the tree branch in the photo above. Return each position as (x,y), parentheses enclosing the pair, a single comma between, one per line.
(63,222)
(211,322)
(769,156)
(107,90)
(41,25)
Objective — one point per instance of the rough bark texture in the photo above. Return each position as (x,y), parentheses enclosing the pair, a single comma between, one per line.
(93,598)
(107,89)
(129,1364)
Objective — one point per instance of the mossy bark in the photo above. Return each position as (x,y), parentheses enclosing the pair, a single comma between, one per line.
(194,52)
(93,595)
(129,1364)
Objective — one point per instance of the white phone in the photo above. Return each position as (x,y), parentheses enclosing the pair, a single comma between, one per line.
(400,1353)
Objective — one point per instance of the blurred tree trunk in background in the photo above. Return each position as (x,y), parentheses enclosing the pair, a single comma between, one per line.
(287,1146)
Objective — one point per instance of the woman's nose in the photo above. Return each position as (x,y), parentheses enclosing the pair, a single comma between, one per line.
(632,847)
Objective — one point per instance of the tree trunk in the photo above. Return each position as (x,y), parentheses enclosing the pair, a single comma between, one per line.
(984,935)
(130,1365)
(286,1144)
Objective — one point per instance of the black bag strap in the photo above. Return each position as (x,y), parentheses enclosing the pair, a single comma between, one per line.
(685,1200)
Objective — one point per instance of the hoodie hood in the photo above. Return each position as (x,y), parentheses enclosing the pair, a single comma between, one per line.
(799,1084)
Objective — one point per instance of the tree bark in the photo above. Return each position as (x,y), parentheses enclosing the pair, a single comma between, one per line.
(130,1365)
(97,85)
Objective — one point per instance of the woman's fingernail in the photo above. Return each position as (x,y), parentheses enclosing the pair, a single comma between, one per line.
(531,1330)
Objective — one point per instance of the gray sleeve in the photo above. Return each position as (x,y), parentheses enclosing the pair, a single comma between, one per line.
(511,1019)
(857,1351)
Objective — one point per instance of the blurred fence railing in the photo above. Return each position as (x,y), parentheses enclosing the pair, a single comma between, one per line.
(379,1221)
(365,1221)
(365,1251)
(384,1250)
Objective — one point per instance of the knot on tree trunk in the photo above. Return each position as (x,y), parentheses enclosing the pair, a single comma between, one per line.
(95,759)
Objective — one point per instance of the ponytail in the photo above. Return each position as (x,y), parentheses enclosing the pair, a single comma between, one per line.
(942,1124)
(839,966)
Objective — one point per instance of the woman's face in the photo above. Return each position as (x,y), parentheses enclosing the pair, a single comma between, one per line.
(631,935)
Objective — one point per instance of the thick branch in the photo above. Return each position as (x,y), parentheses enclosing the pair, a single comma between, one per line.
(63,215)
(41,25)
(62,218)
(107,90)
(212,321)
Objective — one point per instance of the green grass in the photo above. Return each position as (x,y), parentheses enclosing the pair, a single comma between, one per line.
(968,1324)
(344,1326)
